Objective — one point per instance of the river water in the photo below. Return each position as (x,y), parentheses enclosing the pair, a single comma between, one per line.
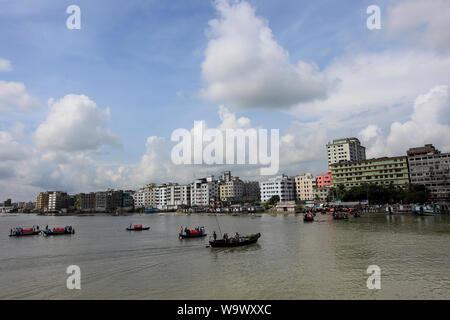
(325,259)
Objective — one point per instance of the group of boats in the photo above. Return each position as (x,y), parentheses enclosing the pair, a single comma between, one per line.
(199,232)
(341,214)
(34,231)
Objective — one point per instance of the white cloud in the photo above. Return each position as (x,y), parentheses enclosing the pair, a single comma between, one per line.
(13,96)
(10,149)
(75,123)
(245,67)
(424,23)
(374,87)
(429,123)
(5,65)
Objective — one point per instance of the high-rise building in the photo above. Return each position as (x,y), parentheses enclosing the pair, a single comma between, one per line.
(382,171)
(304,186)
(282,186)
(42,201)
(86,201)
(347,149)
(204,192)
(430,167)
(57,200)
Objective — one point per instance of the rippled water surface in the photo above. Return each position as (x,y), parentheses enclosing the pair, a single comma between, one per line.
(325,259)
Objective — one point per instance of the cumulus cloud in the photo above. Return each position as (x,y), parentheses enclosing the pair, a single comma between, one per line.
(5,65)
(428,123)
(13,97)
(375,86)
(245,67)
(424,23)
(75,123)
(10,149)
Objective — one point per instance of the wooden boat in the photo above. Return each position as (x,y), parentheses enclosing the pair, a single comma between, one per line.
(138,227)
(28,233)
(427,210)
(58,231)
(356,214)
(191,235)
(308,217)
(340,216)
(230,243)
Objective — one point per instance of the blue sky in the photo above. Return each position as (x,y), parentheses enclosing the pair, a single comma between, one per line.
(143,61)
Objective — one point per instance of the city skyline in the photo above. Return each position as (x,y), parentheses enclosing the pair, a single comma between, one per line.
(80,113)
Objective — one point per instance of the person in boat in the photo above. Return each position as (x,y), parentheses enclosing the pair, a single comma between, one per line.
(215,236)
(421,209)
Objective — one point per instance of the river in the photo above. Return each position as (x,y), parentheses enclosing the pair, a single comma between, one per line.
(325,259)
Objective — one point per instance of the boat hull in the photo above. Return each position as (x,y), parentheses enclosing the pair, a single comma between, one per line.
(184,236)
(35,233)
(56,233)
(138,229)
(229,243)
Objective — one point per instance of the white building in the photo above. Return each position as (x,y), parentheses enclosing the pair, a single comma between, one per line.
(347,149)
(304,186)
(204,191)
(282,186)
(144,196)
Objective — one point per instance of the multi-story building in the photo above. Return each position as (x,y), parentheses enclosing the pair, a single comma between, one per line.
(282,186)
(304,186)
(86,201)
(321,193)
(57,200)
(232,190)
(347,149)
(251,191)
(430,167)
(144,196)
(108,201)
(323,180)
(382,171)
(127,200)
(178,195)
(204,192)
(42,201)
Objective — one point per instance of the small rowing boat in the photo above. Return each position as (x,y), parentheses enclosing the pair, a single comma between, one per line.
(137,227)
(21,232)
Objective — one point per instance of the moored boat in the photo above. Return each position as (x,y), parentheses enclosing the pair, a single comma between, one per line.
(235,242)
(137,227)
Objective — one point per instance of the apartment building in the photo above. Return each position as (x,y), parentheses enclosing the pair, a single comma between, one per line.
(57,200)
(204,191)
(42,201)
(282,186)
(323,180)
(382,171)
(346,149)
(430,167)
(304,186)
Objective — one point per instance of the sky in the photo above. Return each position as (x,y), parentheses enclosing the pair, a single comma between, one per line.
(89,109)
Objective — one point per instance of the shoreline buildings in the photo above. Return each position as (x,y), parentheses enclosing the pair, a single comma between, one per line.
(282,186)
(382,171)
(430,167)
